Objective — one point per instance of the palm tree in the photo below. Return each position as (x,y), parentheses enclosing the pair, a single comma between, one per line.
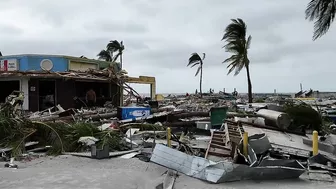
(195,60)
(105,55)
(323,12)
(238,44)
(115,46)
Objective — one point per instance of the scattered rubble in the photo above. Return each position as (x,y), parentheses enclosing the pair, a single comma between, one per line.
(200,137)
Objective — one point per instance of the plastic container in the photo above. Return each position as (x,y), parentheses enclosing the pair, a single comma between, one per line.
(218,115)
(133,112)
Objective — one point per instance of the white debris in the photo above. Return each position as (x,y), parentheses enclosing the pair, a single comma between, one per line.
(88,140)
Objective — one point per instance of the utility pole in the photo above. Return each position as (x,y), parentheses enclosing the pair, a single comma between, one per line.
(301,87)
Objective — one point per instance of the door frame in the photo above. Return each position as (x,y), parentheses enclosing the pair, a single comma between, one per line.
(55,93)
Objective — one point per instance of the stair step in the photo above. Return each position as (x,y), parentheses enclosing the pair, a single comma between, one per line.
(221,143)
(219,132)
(219,154)
(219,146)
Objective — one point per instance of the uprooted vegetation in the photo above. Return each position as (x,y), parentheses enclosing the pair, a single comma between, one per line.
(62,137)
(304,117)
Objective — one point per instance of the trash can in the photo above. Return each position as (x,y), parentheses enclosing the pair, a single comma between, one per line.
(217,116)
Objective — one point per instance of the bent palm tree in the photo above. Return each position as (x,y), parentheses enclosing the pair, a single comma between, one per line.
(323,12)
(105,55)
(238,44)
(115,46)
(196,60)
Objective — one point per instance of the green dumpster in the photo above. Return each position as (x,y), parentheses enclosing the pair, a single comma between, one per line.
(217,116)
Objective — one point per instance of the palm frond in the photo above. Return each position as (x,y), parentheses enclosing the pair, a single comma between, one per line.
(115,46)
(237,44)
(122,47)
(323,12)
(195,56)
(231,67)
(105,55)
(231,59)
(248,42)
(194,59)
(38,123)
(235,30)
(235,47)
(236,64)
(198,70)
(239,67)
(194,64)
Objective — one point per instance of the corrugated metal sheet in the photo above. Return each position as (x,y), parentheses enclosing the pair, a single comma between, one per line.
(224,171)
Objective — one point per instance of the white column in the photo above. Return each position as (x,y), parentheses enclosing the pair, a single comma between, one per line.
(25,90)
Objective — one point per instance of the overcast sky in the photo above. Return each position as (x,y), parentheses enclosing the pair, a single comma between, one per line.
(160,35)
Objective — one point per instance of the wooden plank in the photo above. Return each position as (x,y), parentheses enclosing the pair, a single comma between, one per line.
(218,142)
(234,134)
(227,136)
(220,146)
(219,132)
(207,151)
(219,154)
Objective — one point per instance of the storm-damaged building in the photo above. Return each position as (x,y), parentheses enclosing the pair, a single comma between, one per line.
(49,80)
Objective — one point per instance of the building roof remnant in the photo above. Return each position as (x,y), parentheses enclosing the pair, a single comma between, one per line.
(90,74)
(102,63)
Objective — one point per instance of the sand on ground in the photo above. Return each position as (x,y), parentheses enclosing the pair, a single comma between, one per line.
(69,172)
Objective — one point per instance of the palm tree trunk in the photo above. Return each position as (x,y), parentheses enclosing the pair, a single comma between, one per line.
(111,56)
(121,60)
(249,84)
(201,78)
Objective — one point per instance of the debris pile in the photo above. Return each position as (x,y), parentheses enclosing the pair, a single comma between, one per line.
(216,138)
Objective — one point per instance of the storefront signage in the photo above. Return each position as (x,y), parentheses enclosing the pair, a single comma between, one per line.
(9,65)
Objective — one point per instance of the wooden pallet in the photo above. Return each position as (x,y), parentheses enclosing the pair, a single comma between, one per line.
(223,144)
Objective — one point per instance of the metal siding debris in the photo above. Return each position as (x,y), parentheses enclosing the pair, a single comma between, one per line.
(260,143)
(213,172)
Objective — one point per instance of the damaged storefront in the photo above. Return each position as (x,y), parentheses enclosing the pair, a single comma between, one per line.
(50,80)
(68,92)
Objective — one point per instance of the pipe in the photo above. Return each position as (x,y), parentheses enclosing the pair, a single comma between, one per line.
(279,119)
(265,127)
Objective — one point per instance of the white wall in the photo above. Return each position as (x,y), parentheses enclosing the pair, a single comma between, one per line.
(23,87)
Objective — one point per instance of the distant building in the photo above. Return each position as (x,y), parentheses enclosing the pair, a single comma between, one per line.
(321,94)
